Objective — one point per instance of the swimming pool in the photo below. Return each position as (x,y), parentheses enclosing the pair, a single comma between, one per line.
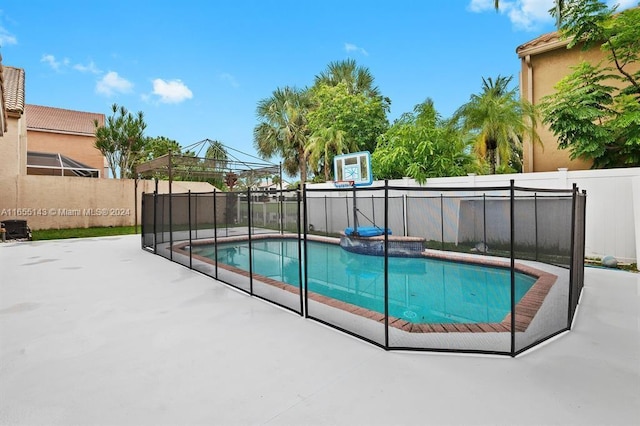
(421,290)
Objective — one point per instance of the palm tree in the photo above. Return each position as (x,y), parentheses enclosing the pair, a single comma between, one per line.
(358,80)
(217,152)
(283,129)
(498,121)
(216,158)
(324,144)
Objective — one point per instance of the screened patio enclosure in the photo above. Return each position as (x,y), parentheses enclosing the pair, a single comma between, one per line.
(56,164)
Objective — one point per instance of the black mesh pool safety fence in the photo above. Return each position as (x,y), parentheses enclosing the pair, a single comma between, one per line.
(483,270)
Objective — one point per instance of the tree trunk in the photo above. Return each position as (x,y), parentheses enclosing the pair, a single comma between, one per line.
(303,165)
(326,169)
(492,160)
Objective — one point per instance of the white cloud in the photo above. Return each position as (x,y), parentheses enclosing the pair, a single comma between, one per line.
(529,15)
(51,61)
(172,91)
(480,5)
(112,83)
(350,47)
(6,38)
(229,79)
(90,67)
(525,15)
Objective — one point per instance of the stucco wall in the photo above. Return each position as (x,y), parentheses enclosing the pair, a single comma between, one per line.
(55,202)
(77,147)
(13,159)
(541,71)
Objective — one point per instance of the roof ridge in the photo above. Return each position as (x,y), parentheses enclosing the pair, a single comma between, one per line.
(40,117)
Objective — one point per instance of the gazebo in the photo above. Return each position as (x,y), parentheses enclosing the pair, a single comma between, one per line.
(190,164)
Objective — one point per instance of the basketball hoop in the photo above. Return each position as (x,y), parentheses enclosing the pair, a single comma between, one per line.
(343,183)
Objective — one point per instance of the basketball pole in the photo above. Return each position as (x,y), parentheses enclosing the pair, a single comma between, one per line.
(355,211)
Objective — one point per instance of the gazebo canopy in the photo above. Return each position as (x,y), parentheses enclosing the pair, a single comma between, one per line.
(193,166)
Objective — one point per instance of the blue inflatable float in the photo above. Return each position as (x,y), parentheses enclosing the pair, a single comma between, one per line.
(366,231)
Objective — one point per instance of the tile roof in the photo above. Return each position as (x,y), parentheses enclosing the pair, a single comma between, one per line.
(545,42)
(3,110)
(13,85)
(51,119)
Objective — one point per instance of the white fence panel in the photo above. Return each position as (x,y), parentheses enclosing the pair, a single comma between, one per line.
(613,203)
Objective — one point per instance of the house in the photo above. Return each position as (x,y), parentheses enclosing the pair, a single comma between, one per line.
(545,60)
(44,180)
(61,141)
(39,140)
(3,110)
(13,142)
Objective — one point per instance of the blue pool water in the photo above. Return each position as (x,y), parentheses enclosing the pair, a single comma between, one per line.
(421,290)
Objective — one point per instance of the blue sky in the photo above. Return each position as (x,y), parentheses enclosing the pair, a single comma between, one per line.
(198,68)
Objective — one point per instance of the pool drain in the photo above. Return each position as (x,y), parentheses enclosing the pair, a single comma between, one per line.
(409,314)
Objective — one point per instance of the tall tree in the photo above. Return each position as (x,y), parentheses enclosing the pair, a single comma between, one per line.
(498,120)
(357,79)
(283,129)
(121,140)
(323,145)
(216,159)
(595,111)
(155,147)
(362,118)
(422,145)
(218,154)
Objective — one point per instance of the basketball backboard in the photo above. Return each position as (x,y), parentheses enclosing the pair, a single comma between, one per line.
(355,166)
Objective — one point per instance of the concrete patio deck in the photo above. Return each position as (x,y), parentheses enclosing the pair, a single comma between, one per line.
(98,331)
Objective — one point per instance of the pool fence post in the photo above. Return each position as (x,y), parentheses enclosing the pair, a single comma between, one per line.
(298,219)
(373,209)
(513,265)
(346,200)
(155,218)
(303,259)
(484,223)
(535,219)
(583,232)
(135,202)
(189,221)
(227,211)
(250,246)
(215,230)
(405,219)
(264,210)
(441,221)
(355,211)
(170,210)
(195,213)
(386,264)
(326,217)
(281,205)
(572,276)
(142,246)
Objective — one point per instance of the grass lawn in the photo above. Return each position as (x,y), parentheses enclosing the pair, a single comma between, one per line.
(56,234)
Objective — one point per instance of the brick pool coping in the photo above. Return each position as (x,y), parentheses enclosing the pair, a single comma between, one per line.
(526,309)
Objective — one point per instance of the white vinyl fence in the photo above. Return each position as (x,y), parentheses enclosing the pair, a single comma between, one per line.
(613,203)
